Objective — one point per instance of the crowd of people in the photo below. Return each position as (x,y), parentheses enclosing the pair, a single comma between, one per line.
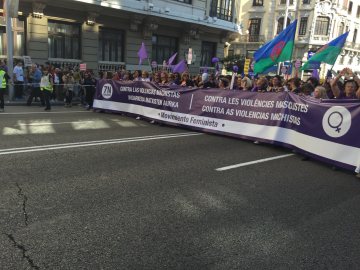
(346,85)
(46,83)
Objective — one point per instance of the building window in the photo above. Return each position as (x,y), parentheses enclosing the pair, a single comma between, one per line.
(258,3)
(222,9)
(111,45)
(355,35)
(208,51)
(280,25)
(358,12)
(303,26)
(350,7)
(18,34)
(283,2)
(64,40)
(341,29)
(306,2)
(254,30)
(345,4)
(163,47)
(341,60)
(322,26)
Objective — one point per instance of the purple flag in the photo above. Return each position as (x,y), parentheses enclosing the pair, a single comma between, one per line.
(142,53)
(171,59)
(180,67)
(315,74)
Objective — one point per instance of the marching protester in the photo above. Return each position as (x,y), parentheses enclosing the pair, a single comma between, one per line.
(261,85)
(276,85)
(46,86)
(58,84)
(185,80)
(89,83)
(350,88)
(223,83)
(320,92)
(295,85)
(35,79)
(69,82)
(18,79)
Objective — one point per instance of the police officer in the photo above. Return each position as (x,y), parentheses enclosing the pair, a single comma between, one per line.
(46,86)
(4,77)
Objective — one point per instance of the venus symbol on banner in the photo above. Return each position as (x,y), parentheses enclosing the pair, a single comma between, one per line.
(336,121)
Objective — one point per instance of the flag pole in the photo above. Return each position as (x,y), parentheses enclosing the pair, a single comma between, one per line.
(284,26)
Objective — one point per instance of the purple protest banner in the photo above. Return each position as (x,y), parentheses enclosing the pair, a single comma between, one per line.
(324,129)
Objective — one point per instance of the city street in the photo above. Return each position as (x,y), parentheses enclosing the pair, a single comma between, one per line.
(86,190)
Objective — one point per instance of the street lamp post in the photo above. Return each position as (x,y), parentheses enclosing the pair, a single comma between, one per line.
(11,8)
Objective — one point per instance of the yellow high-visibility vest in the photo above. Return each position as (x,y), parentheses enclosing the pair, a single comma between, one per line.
(45,83)
(2,79)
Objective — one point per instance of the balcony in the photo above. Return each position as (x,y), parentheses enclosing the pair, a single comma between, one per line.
(252,38)
(350,45)
(320,38)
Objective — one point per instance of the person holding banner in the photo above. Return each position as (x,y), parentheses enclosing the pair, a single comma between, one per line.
(277,85)
(260,85)
(185,80)
(145,76)
(223,83)
(294,85)
(320,92)
(136,75)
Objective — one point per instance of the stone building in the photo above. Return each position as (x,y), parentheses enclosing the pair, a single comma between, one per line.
(107,34)
(319,21)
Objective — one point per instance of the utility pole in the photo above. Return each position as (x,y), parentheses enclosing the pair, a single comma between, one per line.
(11,10)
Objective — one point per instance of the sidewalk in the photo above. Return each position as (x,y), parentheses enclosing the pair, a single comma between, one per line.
(22,102)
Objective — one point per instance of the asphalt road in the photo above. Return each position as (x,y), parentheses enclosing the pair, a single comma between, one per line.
(85,190)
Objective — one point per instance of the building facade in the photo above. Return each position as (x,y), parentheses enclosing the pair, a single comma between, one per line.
(319,21)
(107,34)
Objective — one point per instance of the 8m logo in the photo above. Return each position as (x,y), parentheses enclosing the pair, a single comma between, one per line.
(107,91)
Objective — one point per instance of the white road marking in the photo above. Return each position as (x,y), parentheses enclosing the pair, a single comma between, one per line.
(252,162)
(58,123)
(92,143)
